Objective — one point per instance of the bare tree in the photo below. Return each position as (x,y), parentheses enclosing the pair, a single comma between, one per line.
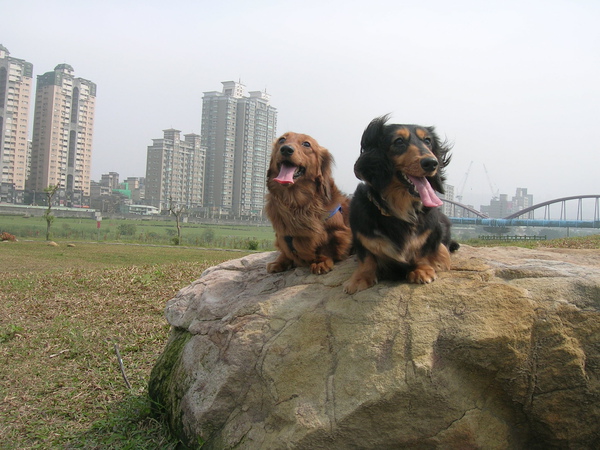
(177,212)
(49,191)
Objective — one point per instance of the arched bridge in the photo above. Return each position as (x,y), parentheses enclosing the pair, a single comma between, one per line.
(474,217)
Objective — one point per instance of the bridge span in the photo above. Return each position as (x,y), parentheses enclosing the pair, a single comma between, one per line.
(474,217)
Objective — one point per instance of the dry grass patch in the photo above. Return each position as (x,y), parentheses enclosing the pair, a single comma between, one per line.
(580,242)
(61,386)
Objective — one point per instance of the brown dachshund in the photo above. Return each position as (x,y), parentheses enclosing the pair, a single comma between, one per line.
(308,212)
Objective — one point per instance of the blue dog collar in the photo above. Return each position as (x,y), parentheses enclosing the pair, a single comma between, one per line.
(334,211)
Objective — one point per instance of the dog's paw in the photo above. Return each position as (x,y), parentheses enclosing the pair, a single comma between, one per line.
(319,268)
(353,286)
(422,275)
(276,267)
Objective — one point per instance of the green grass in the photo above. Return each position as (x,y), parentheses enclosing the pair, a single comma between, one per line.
(62,311)
(24,256)
(145,231)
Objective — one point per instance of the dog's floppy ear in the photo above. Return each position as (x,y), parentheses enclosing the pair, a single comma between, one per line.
(441,149)
(374,133)
(374,168)
(373,165)
(324,178)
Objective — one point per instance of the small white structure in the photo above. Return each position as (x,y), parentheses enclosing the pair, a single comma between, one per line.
(144,210)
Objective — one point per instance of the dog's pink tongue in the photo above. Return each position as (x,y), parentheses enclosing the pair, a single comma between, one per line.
(426,192)
(286,174)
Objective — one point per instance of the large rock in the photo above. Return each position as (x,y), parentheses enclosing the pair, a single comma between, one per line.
(501,352)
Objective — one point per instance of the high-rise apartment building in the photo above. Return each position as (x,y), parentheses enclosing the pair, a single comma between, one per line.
(448,208)
(237,131)
(63,127)
(15,97)
(175,171)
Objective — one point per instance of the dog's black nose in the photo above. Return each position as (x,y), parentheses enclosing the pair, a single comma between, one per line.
(429,164)
(286,150)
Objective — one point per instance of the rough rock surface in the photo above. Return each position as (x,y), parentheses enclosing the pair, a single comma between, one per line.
(501,352)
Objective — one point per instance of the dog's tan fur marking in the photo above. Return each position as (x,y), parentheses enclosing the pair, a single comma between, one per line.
(403,133)
(363,277)
(425,271)
(421,133)
(400,202)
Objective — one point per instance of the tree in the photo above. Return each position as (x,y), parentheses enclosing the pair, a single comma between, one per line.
(49,191)
(177,212)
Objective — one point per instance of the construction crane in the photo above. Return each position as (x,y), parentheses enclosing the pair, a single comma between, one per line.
(461,189)
(495,194)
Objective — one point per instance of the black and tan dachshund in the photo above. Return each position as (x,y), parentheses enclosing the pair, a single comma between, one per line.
(398,229)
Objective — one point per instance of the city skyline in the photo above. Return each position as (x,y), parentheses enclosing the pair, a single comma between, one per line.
(512,85)
(175,167)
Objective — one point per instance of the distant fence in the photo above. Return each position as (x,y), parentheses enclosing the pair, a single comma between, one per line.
(511,238)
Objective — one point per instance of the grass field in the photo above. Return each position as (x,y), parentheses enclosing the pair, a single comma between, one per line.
(146,231)
(62,311)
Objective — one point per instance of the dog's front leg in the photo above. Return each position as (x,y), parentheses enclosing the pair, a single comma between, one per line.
(425,272)
(363,277)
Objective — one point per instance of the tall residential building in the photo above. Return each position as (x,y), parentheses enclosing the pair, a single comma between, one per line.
(175,171)
(63,127)
(237,131)
(448,208)
(15,98)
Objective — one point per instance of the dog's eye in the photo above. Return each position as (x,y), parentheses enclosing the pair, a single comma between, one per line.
(281,140)
(427,141)
(399,142)
(306,144)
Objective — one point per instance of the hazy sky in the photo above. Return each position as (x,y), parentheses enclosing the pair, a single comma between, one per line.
(515,85)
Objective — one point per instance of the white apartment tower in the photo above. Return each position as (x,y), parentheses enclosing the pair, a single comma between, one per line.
(175,171)
(237,131)
(15,97)
(448,208)
(63,127)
